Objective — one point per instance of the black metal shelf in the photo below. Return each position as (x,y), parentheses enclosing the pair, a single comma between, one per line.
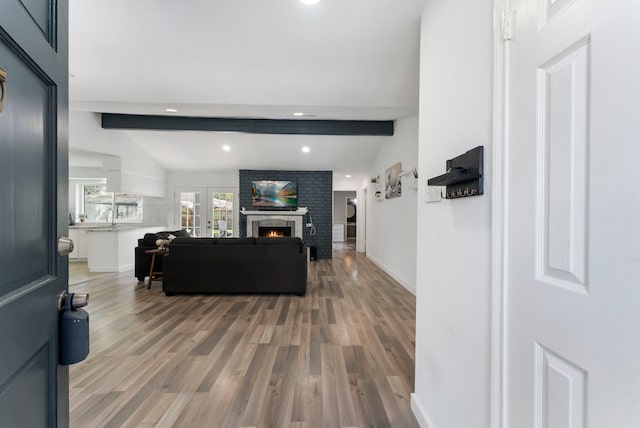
(454,176)
(464,175)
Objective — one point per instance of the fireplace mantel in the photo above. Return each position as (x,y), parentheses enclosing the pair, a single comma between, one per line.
(299,211)
(258,216)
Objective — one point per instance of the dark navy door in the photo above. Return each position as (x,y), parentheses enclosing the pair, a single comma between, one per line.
(33,210)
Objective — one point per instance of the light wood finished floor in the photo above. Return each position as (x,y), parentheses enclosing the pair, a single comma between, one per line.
(79,273)
(341,356)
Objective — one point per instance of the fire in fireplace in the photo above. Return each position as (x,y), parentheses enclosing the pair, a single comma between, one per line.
(274,232)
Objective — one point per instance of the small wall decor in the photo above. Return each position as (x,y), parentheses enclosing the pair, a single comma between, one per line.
(393,183)
(464,176)
(410,179)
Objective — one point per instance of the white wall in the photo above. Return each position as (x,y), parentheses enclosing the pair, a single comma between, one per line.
(391,223)
(224,179)
(137,171)
(340,206)
(452,384)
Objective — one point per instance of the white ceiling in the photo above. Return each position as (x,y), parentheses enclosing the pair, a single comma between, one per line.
(340,59)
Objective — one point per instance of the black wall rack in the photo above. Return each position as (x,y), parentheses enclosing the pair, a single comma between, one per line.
(464,176)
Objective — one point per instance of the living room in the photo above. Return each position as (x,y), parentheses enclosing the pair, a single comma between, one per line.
(389,250)
(525,306)
(391,226)
(139,173)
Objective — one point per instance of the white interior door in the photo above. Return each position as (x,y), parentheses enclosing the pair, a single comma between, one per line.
(573,268)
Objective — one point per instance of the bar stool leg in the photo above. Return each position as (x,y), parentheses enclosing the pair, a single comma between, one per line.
(153,261)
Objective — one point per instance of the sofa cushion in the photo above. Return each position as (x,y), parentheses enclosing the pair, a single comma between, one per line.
(193,241)
(278,241)
(181,234)
(151,238)
(236,241)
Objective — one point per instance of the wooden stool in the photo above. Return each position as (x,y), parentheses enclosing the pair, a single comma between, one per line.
(155,276)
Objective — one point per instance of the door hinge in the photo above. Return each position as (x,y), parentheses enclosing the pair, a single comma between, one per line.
(507,25)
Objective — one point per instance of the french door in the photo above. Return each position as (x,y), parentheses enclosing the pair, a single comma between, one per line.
(208,211)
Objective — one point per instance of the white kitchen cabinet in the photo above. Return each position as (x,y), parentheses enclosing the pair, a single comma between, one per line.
(83,244)
(74,236)
(80,244)
(113,249)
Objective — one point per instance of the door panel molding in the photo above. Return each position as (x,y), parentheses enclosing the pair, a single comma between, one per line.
(548,10)
(562,164)
(42,307)
(43,15)
(561,391)
(31,383)
(49,51)
(34,131)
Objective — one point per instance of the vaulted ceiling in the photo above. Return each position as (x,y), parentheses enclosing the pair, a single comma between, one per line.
(339,59)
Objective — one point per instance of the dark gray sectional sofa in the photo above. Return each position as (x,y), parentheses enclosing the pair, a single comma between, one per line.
(235,265)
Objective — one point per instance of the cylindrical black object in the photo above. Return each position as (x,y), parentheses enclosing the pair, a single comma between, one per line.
(73,334)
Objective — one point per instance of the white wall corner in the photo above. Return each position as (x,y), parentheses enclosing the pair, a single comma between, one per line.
(420,413)
(410,287)
(456,87)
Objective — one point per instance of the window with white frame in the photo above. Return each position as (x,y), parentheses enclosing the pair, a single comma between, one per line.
(97,205)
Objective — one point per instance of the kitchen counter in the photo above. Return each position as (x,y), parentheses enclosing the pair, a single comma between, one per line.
(111,248)
(109,226)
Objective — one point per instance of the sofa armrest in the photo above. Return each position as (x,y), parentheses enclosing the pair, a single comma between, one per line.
(143,262)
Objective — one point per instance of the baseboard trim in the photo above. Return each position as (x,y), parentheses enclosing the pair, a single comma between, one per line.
(419,413)
(392,275)
(112,269)
(124,268)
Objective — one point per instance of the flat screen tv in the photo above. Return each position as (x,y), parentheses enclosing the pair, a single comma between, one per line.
(274,195)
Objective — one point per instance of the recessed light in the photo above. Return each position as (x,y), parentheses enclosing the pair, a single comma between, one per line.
(305,149)
(298,113)
(171,110)
(348,175)
(311,2)
(226,148)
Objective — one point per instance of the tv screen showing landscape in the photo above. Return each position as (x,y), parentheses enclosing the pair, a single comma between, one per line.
(274,194)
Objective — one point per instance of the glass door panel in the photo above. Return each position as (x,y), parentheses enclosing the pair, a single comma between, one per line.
(207,211)
(190,210)
(221,223)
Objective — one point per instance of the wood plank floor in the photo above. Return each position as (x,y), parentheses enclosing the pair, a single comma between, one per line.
(341,356)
